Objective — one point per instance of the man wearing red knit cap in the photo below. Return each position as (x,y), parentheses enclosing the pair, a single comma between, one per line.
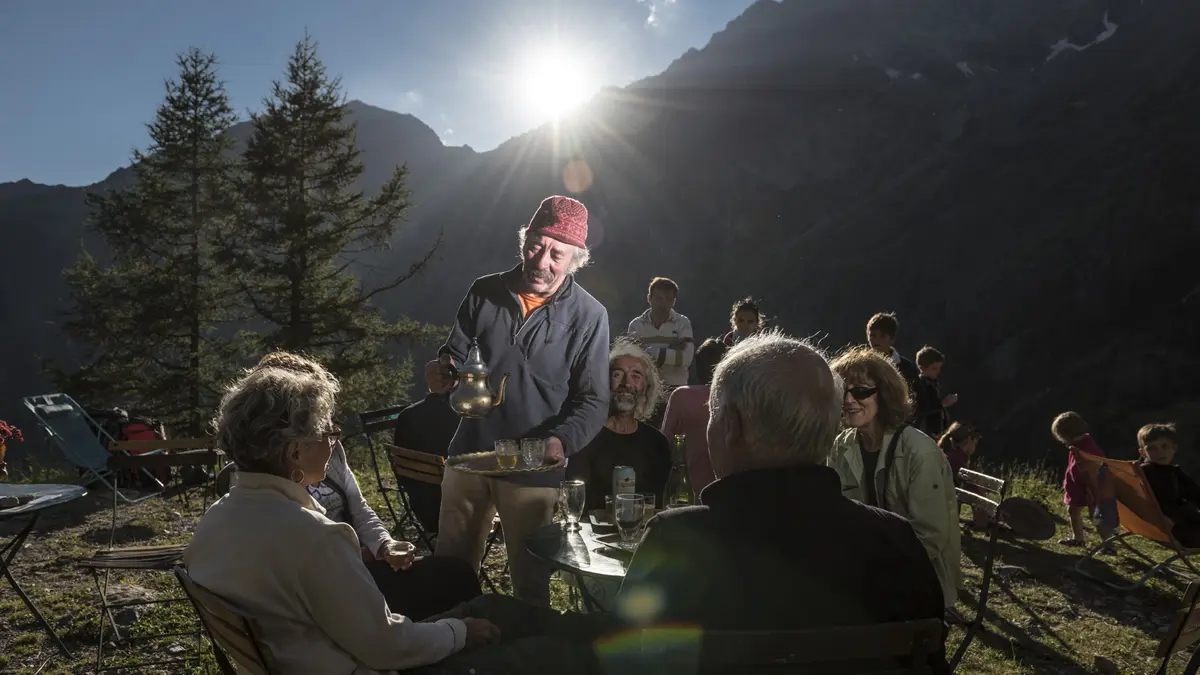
(538,324)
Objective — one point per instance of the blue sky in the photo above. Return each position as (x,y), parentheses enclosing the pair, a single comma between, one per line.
(81,78)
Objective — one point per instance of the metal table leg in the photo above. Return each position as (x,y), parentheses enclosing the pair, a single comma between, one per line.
(589,601)
(7,553)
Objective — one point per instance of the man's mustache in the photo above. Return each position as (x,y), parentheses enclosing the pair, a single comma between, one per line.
(540,275)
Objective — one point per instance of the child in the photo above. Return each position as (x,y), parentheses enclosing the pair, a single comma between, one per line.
(1178,495)
(959,444)
(931,416)
(1072,431)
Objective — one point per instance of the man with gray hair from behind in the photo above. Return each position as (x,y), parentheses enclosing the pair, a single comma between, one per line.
(774,545)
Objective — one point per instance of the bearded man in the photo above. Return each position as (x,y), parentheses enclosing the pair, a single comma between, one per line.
(537,324)
(625,439)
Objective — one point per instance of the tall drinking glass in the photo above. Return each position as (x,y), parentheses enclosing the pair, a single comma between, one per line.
(628,511)
(571,496)
(507,453)
(533,452)
(651,506)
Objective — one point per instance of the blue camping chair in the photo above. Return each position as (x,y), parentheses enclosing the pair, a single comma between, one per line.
(83,442)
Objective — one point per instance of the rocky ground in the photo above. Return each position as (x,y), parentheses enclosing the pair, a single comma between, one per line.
(1042,617)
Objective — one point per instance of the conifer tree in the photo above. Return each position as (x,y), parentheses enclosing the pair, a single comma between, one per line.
(153,322)
(304,224)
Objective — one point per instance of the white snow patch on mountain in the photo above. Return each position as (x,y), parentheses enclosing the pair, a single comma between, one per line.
(1062,45)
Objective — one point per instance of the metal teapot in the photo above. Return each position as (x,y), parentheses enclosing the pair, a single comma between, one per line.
(471,396)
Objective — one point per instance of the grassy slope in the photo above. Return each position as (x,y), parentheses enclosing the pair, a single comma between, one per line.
(1042,617)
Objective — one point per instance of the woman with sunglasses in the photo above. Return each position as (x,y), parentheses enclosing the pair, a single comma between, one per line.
(416,588)
(883,462)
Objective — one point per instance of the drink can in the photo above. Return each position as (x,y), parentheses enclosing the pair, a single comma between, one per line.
(624,481)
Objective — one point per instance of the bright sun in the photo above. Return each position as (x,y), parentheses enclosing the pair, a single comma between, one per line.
(553,81)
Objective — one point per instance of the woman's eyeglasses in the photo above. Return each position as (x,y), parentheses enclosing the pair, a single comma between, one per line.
(862,393)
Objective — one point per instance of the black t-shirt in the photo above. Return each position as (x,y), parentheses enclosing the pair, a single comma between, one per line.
(869,460)
(646,450)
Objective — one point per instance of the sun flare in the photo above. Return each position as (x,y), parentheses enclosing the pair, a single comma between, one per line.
(553,81)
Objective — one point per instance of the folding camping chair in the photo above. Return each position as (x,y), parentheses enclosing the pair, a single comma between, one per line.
(1140,515)
(82,441)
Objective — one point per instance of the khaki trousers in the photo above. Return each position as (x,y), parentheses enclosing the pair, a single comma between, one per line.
(469,502)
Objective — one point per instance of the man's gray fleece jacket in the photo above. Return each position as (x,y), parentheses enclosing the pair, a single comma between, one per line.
(556,358)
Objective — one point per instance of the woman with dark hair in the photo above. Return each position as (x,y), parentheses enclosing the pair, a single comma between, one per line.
(745,319)
(687,414)
(884,462)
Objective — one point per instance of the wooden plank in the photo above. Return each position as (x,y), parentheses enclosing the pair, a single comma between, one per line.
(421,476)
(990,483)
(194,458)
(977,500)
(426,473)
(416,456)
(163,444)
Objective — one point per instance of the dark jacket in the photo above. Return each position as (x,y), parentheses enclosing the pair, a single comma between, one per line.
(930,415)
(1177,494)
(556,359)
(783,549)
(910,371)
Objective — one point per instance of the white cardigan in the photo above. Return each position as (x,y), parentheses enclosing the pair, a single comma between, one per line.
(268,549)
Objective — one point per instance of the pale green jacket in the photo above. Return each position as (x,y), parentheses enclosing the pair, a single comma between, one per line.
(920,487)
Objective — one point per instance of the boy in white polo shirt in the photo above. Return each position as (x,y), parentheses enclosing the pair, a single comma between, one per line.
(665,333)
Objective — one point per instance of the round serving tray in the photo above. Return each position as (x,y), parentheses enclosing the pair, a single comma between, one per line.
(486,464)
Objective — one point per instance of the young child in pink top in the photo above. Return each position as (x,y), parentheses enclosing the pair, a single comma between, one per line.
(1072,431)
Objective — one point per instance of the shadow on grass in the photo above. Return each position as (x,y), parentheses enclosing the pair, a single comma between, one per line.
(129,533)
(1056,570)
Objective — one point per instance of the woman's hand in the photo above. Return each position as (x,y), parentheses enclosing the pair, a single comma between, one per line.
(481,633)
(398,554)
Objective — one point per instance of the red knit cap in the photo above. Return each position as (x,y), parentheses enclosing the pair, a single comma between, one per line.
(561,218)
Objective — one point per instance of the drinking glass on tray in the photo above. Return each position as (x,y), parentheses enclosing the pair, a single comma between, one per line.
(533,452)
(507,453)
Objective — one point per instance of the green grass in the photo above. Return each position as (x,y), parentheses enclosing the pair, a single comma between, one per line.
(1042,617)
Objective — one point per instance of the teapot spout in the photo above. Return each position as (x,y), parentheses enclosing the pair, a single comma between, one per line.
(500,392)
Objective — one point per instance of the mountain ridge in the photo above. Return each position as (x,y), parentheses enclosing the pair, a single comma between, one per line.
(836,159)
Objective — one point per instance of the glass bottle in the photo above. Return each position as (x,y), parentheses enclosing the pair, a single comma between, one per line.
(679,486)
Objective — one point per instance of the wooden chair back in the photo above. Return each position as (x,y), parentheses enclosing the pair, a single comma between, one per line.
(883,649)
(418,466)
(980,490)
(235,633)
(1184,631)
(1136,506)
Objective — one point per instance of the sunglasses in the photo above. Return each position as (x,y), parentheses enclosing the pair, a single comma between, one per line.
(332,436)
(862,393)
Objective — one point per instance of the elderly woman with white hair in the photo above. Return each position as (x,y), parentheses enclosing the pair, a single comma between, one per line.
(625,439)
(268,549)
(414,587)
